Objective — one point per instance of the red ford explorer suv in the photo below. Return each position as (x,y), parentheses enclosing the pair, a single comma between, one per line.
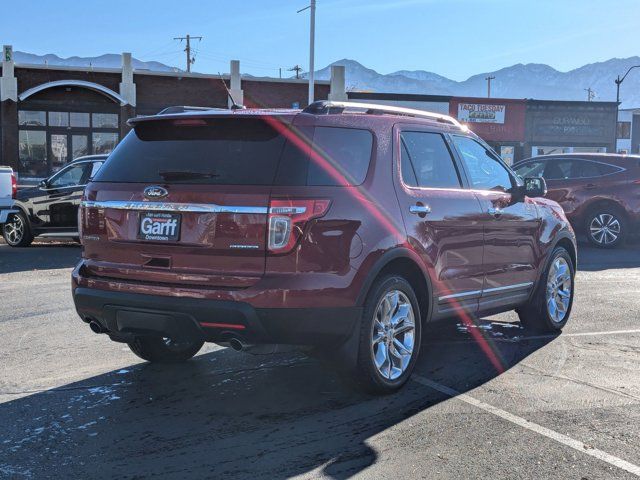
(343,228)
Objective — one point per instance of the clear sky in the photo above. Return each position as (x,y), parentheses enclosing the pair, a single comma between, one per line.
(455,38)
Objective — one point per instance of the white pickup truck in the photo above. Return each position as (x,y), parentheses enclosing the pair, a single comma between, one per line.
(8,190)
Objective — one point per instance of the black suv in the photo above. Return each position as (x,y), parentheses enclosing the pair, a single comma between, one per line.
(51,208)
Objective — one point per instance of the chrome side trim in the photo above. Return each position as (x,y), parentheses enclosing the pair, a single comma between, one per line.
(486,290)
(175,207)
(460,295)
(507,287)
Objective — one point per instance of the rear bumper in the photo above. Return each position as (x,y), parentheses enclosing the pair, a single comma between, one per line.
(5,211)
(125,315)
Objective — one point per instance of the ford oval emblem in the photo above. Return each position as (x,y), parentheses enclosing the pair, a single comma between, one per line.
(154,192)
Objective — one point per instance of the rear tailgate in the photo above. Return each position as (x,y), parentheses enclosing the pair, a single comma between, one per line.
(183,204)
(6,186)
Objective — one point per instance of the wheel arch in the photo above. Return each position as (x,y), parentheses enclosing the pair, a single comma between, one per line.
(406,263)
(598,203)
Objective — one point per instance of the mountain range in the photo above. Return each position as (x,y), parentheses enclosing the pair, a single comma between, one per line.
(530,80)
(109,60)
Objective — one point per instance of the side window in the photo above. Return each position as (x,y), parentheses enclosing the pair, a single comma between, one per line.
(426,161)
(558,169)
(530,169)
(584,169)
(486,172)
(606,169)
(95,166)
(347,152)
(341,157)
(71,176)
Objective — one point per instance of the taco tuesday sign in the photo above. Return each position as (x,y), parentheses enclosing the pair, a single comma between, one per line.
(481,113)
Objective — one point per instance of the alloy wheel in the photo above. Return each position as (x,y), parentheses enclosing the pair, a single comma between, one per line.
(14,230)
(559,285)
(605,228)
(393,335)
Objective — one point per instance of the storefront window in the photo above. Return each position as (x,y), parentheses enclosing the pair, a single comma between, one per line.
(104,142)
(624,130)
(104,120)
(58,119)
(507,152)
(79,119)
(32,153)
(79,145)
(28,118)
(58,149)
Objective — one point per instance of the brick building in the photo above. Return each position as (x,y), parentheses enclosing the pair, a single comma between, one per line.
(50,115)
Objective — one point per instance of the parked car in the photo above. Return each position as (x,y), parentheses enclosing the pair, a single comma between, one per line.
(51,208)
(343,228)
(8,190)
(598,192)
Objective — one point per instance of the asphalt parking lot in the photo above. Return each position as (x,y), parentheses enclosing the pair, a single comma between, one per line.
(75,405)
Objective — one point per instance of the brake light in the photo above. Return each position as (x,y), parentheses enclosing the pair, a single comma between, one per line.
(14,186)
(287,219)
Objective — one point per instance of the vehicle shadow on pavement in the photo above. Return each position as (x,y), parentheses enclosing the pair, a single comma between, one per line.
(231,415)
(39,256)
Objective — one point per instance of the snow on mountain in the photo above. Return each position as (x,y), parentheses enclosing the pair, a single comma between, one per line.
(532,80)
(109,60)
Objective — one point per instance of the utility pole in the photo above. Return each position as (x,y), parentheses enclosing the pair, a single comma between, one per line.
(312,41)
(297,69)
(187,49)
(488,79)
(590,94)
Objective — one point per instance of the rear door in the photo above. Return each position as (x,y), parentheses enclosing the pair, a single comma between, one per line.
(442,219)
(63,194)
(184,201)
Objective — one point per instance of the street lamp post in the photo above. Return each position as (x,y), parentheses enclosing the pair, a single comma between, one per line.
(618,83)
(620,80)
(312,41)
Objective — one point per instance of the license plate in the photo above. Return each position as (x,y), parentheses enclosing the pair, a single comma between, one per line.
(159,227)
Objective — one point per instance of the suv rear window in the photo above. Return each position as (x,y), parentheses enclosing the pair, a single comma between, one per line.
(239,151)
(236,151)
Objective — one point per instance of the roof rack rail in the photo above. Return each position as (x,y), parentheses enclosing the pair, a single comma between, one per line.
(185,108)
(327,107)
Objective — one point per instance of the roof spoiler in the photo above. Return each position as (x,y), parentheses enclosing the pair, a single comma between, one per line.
(186,108)
(325,107)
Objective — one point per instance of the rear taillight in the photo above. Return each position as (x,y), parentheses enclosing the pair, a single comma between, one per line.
(14,186)
(287,219)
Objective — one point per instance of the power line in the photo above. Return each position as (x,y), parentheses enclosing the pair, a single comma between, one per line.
(190,59)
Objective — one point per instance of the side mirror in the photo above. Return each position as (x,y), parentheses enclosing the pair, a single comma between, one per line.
(535,187)
(44,184)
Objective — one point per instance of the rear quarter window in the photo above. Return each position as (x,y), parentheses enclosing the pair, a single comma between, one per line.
(326,156)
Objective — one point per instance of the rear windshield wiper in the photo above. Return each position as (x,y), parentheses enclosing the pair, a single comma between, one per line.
(185,175)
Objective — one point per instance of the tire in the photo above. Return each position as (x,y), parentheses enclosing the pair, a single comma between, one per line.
(379,333)
(17,231)
(163,350)
(548,310)
(606,227)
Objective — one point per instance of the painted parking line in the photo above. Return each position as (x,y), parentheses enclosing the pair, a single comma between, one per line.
(534,427)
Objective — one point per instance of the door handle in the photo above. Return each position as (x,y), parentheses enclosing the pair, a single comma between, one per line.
(590,186)
(496,212)
(419,209)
